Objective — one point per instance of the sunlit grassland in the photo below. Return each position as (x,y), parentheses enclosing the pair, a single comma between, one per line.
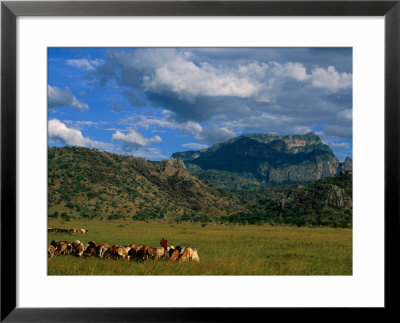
(223,249)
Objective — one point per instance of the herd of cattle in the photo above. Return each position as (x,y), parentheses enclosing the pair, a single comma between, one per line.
(132,252)
(74,230)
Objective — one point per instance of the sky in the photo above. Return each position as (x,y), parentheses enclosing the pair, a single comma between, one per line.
(152,102)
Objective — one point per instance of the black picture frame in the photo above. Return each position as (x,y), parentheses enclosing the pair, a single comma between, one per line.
(10,10)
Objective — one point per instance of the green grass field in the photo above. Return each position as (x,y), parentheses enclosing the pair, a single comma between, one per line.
(223,249)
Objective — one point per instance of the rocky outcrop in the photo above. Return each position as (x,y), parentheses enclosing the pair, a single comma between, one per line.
(174,167)
(269,158)
(334,192)
(303,173)
(347,164)
(336,197)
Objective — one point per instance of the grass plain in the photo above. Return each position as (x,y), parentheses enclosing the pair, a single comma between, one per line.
(223,249)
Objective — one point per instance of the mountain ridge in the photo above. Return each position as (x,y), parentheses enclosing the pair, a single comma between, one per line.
(88,182)
(269,158)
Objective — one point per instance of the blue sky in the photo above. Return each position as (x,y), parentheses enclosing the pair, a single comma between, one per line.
(152,102)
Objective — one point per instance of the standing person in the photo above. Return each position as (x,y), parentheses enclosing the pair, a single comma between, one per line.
(163,243)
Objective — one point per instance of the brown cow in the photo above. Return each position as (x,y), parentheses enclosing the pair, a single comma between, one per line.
(194,255)
(50,251)
(122,252)
(171,249)
(102,250)
(138,253)
(143,252)
(69,248)
(78,248)
(62,247)
(185,255)
(94,244)
(90,251)
(156,253)
(182,254)
(160,252)
(111,252)
(174,254)
(189,254)
(151,252)
(132,253)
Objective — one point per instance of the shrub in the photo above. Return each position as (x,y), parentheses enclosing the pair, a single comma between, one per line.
(65,217)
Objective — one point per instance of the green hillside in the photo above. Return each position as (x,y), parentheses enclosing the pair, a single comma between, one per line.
(89,183)
(326,202)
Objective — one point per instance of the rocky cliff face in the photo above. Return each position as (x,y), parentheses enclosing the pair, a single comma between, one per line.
(347,164)
(269,158)
(174,168)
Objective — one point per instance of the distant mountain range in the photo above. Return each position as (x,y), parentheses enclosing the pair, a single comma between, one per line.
(248,179)
(262,158)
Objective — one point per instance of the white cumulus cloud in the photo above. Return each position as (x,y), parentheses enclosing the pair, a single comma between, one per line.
(235,92)
(330,79)
(188,80)
(174,71)
(296,71)
(132,140)
(188,127)
(59,132)
(210,134)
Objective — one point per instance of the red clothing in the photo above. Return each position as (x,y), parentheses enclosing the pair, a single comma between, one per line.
(163,243)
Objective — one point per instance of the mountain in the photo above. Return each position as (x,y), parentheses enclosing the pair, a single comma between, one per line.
(327,201)
(228,180)
(347,164)
(335,192)
(266,158)
(87,182)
